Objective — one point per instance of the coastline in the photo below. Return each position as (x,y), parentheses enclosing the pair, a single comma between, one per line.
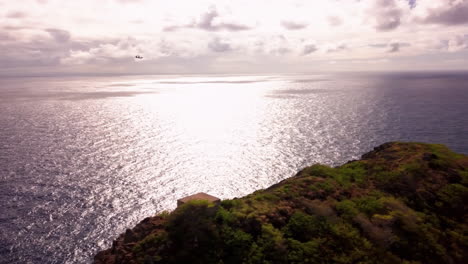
(383,206)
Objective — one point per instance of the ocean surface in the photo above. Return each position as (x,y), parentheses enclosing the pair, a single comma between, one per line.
(82,159)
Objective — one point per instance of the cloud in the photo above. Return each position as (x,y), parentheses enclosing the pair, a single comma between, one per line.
(334,21)
(387,15)
(280,51)
(210,21)
(452,13)
(206,21)
(103,53)
(123,51)
(378,45)
(456,43)
(292,25)
(29,47)
(217,45)
(36,34)
(412,3)
(53,49)
(308,49)
(59,35)
(389,21)
(173,28)
(16,14)
(392,47)
(337,48)
(30,54)
(277,45)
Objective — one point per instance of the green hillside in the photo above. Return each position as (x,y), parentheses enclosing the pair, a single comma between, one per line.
(401,203)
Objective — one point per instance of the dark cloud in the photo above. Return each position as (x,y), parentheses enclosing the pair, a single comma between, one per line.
(59,35)
(16,14)
(35,53)
(412,3)
(454,13)
(388,22)
(392,47)
(334,21)
(291,25)
(233,27)
(217,45)
(338,48)
(41,51)
(207,19)
(207,22)
(308,49)
(387,15)
(378,45)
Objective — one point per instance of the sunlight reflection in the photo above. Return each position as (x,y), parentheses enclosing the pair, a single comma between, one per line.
(214,123)
(207,111)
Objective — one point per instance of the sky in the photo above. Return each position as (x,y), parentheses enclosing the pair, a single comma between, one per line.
(65,37)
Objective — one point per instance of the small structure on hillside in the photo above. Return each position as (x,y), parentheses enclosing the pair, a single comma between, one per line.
(199,196)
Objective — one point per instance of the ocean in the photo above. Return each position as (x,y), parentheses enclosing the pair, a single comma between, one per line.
(84,158)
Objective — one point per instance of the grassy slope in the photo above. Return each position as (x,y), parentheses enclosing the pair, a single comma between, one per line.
(401,203)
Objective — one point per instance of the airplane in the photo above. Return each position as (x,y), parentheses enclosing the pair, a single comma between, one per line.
(138,57)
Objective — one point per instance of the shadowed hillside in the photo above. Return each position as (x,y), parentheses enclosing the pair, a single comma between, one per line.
(401,203)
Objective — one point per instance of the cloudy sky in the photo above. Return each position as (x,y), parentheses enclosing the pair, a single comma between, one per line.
(43,37)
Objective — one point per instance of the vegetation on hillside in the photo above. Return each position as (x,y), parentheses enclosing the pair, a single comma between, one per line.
(401,203)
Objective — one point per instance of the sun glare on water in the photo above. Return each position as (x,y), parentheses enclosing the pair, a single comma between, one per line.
(215,120)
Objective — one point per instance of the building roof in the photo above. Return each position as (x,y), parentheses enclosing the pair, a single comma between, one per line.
(199,196)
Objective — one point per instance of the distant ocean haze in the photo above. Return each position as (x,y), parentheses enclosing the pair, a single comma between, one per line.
(82,159)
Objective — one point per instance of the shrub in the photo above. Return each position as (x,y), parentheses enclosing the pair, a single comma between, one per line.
(303,227)
(454,196)
(236,245)
(193,234)
(347,208)
(319,170)
(370,204)
(352,172)
(308,252)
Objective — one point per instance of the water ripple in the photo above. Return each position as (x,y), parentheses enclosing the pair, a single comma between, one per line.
(75,173)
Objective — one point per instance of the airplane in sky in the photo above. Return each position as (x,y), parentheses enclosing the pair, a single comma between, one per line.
(138,57)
